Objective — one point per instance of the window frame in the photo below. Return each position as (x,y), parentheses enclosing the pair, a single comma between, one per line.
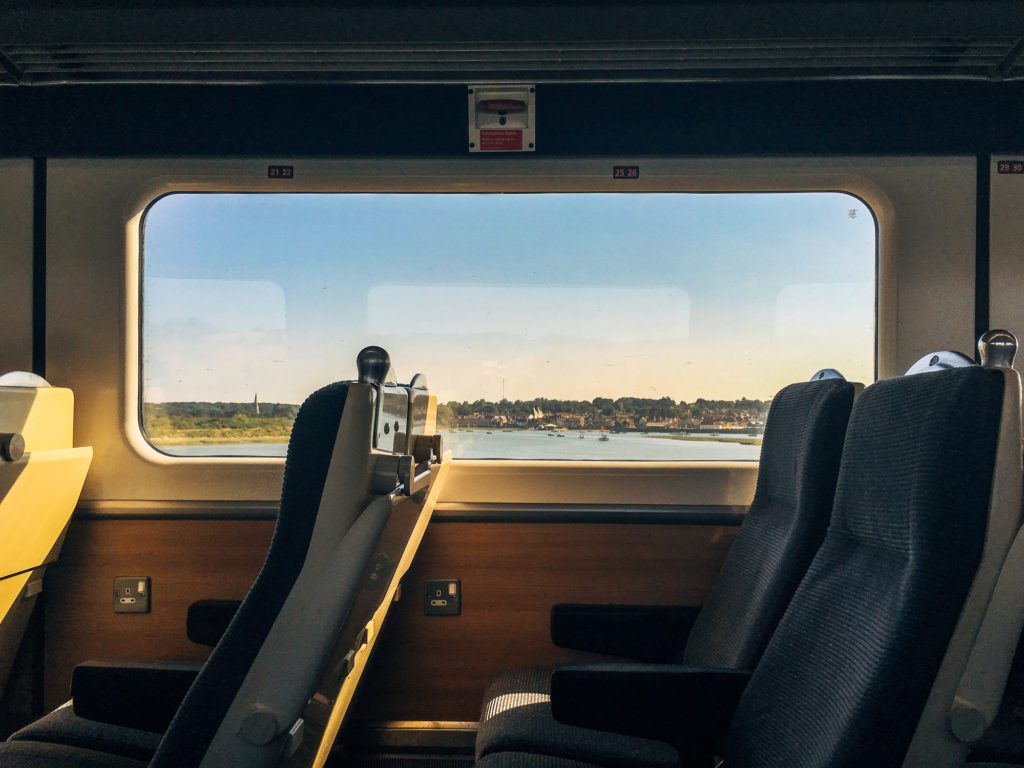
(492,181)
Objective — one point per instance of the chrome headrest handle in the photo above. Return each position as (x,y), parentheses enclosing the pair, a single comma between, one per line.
(997,348)
(373,364)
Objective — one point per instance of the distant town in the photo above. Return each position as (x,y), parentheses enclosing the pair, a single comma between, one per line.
(199,422)
(623,414)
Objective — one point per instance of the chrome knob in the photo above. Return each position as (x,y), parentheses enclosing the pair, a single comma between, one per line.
(373,364)
(997,348)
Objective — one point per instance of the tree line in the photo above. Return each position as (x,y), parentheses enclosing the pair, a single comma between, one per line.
(198,419)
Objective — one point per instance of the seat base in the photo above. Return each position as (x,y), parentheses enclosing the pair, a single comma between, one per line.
(516,718)
(31,754)
(63,727)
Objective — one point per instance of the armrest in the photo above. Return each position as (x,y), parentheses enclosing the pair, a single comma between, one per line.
(136,694)
(207,620)
(690,707)
(655,633)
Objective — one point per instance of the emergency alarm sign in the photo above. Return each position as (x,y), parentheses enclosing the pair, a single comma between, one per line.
(501,118)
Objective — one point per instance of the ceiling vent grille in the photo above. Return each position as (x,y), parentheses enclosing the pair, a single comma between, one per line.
(653,61)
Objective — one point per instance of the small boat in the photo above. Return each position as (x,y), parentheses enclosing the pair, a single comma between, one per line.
(582,435)
(490,433)
(604,438)
(560,435)
(551,434)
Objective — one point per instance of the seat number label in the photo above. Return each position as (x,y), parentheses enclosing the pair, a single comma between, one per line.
(280,171)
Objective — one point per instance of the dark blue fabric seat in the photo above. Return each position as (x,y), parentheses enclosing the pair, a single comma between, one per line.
(30,754)
(310,451)
(781,533)
(844,680)
(63,726)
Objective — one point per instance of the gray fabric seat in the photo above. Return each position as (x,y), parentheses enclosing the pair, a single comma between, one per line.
(63,726)
(518,718)
(527,760)
(786,523)
(29,754)
(844,680)
(349,530)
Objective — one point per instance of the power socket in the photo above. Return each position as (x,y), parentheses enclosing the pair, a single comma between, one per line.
(443,597)
(131,594)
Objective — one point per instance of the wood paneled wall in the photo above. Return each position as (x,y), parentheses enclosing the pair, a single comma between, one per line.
(188,560)
(425,668)
(436,667)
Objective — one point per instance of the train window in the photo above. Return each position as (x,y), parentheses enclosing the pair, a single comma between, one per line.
(648,326)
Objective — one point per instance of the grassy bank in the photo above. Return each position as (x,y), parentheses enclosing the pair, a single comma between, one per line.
(213,423)
(718,439)
(228,438)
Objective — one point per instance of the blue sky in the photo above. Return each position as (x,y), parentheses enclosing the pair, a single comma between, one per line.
(554,295)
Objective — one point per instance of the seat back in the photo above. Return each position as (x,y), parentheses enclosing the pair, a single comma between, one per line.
(846,676)
(976,665)
(247,705)
(786,523)
(310,449)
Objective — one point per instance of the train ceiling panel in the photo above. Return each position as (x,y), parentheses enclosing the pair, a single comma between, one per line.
(646,61)
(49,42)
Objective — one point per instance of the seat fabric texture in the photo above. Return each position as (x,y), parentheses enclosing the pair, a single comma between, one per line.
(309,456)
(530,760)
(63,726)
(780,535)
(517,718)
(29,754)
(845,678)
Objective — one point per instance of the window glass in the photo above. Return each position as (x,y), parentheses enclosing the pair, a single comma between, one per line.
(652,326)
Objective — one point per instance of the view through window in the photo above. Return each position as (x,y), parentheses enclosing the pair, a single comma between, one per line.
(652,326)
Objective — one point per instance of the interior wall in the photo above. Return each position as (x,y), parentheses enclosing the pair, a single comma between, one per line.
(187,560)
(1006,264)
(425,668)
(437,667)
(925,302)
(16,220)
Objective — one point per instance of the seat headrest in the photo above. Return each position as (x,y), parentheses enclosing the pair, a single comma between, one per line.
(941,444)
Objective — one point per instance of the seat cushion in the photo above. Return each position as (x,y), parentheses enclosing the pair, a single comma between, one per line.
(528,760)
(32,754)
(785,525)
(63,726)
(516,717)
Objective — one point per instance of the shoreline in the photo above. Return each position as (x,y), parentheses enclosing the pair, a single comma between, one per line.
(227,440)
(182,440)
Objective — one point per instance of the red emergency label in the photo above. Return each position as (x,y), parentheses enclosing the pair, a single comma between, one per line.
(499,140)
